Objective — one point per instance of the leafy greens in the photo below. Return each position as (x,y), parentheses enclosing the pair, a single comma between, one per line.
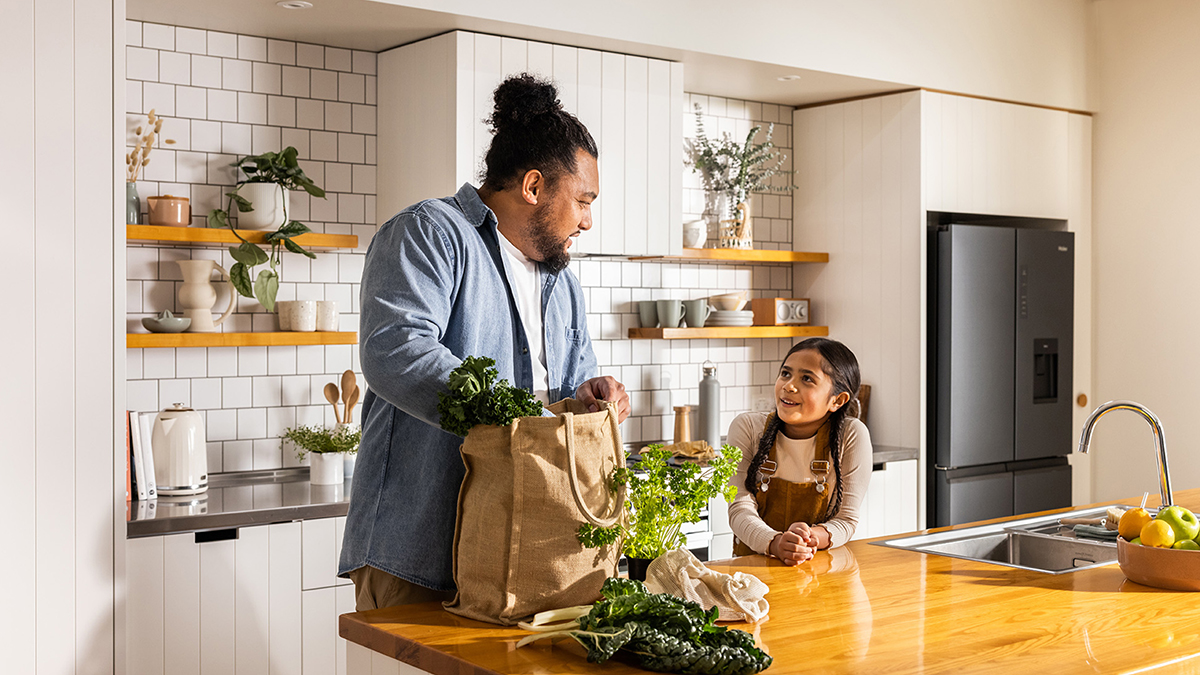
(666,634)
(474,396)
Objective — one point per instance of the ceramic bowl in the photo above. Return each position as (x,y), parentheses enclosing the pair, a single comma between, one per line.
(1175,569)
(728,302)
(166,323)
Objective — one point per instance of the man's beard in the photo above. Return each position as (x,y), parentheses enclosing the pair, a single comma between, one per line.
(553,252)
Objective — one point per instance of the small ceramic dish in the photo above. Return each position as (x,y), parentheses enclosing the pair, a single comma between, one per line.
(166,322)
(728,302)
(1175,569)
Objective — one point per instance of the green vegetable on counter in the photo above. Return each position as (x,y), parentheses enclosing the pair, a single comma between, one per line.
(474,397)
(665,633)
(662,499)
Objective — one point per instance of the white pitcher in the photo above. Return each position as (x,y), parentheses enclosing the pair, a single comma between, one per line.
(197,295)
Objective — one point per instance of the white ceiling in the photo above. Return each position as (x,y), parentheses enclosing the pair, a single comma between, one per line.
(375,27)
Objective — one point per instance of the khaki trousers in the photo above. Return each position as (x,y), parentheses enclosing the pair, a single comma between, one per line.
(375,588)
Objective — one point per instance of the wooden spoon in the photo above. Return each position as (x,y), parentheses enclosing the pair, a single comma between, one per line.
(331,395)
(348,385)
(350,405)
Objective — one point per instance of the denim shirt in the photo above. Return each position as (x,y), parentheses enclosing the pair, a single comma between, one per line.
(433,293)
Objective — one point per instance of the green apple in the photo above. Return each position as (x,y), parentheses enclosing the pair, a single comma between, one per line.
(1136,541)
(1181,520)
(1187,545)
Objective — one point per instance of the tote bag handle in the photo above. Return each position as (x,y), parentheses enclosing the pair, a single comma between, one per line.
(573,473)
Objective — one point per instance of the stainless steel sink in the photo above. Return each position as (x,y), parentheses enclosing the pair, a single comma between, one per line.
(1038,544)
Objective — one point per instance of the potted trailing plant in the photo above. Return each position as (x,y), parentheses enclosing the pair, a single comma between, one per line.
(662,499)
(736,170)
(328,447)
(269,176)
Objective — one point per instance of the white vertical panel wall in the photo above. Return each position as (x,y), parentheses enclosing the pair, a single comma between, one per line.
(59,181)
(858,179)
(1079,220)
(632,105)
(858,197)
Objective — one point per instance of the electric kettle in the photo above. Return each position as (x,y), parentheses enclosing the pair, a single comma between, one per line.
(180,452)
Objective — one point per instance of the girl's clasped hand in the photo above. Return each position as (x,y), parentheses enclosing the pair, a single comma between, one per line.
(796,545)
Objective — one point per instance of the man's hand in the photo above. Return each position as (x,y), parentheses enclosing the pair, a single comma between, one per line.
(599,389)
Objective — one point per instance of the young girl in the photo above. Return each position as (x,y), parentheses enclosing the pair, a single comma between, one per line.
(805,467)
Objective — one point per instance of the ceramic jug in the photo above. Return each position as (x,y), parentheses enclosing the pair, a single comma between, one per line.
(197,295)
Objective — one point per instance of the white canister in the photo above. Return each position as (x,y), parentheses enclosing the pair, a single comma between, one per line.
(304,316)
(348,462)
(268,202)
(325,468)
(327,316)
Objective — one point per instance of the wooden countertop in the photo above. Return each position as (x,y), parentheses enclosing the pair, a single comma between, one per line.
(870,609)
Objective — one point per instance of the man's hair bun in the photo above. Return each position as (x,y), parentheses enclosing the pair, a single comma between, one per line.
(522,99)
(531,130)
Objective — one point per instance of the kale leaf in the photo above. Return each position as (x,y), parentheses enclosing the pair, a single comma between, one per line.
(666,634)
(474,396)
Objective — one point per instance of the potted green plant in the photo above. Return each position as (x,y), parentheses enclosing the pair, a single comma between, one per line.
(269,176)
(327,448)
(662,499)
(736,170)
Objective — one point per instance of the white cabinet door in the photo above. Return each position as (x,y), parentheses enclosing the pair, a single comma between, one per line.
(231,606)
(322,546)
(890,505)
(435,96)
(994,158)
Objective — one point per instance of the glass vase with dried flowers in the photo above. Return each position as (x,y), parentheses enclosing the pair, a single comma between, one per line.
(136,160)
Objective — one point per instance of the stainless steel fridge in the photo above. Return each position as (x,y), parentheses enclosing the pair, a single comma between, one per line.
(1001,322)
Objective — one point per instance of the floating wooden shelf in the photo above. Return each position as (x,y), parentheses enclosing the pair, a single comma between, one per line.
(203,236)
(727,332)
(742,255)
(151,340)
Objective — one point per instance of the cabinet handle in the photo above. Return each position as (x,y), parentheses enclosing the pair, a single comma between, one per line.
(1081,400)
(216,535)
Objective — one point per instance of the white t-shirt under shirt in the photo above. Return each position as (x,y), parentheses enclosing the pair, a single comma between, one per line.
(526,285)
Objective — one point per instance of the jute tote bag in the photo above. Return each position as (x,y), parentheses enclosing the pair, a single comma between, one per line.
(527,489)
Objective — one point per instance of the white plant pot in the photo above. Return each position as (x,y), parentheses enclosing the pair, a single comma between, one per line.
(268,202)
(326,468)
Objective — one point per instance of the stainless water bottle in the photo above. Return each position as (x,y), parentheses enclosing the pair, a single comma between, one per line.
(710,406)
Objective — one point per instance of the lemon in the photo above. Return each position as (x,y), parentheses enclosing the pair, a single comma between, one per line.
(1158,533)
(1132,522)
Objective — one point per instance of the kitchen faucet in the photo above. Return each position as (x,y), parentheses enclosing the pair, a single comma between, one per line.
(1160,439)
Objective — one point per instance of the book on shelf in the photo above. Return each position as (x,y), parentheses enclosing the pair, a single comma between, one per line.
(143,458)
(146,420)
(128,459)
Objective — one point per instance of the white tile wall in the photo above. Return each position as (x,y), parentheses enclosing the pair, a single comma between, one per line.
(227,95)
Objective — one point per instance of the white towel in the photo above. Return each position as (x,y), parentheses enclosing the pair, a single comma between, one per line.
(739,596)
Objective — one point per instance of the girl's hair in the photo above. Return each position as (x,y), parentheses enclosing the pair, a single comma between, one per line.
(839,363)
(530,130)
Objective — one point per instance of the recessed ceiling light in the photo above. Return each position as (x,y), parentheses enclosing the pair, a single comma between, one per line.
(294,4)
(788,78)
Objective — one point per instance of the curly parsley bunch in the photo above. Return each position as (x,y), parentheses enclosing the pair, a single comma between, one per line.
(474,396)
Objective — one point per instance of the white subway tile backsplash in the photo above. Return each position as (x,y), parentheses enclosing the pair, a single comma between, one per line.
(222,105)
(251,108)
(267,391)
(191,40)
(171,392)
(133,96)
(252,48)
(281,360)
(350,267)
(310,359)
(352,88)
(237,456)
(133,33)
(337,59)
(294,82)
(281,51)
(158,97)
(206,393)
(174,67)
(191,167)
(267,78)
(251,423)
(158,364)
(279,420)
(296,390)
(338,116)
(310,56)
(281,111)
(141,64)
(352,148)
(141,395)
(222,44)
(351,208)
(191,362)
(158,36)
(237,75)
(324,146)
(337,358)
(264,139)
(324,84)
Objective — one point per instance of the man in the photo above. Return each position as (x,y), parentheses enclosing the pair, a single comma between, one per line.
(482,273)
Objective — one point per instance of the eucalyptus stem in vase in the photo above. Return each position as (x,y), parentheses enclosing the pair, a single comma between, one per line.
(282,169)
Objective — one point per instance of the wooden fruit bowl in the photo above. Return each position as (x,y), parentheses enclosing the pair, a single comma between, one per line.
(1177,570)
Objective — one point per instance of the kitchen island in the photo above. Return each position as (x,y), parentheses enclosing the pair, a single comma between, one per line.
(859,609)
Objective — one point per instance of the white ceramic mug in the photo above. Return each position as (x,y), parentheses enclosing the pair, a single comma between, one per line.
(327,316)
(304,316)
